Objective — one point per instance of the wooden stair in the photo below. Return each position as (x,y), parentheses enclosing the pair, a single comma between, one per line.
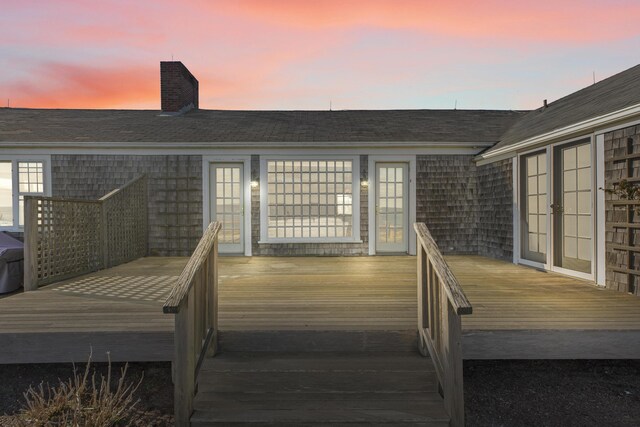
(316,386)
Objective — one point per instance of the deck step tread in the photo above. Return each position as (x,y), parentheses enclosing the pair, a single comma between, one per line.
(320,416)
(313,362)
(270,388)
(354,341)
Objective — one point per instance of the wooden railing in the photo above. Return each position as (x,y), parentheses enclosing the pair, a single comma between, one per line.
(65,238)
(124,213)
(441,303)
(194,301)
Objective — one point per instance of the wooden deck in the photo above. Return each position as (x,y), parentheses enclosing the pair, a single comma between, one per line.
(518,312)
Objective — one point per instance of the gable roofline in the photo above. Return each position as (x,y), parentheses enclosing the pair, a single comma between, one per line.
(583,127)
(606,103)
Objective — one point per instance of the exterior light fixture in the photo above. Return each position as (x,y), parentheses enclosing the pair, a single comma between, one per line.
(364,183)
(255,184)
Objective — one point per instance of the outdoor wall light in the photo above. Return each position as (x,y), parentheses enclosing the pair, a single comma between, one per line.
(254,184)
(364,183)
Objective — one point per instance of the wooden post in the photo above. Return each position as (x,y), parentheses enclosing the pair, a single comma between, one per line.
(194,302)
(454,391)
(184,362)
(104,235)
(441,302)
(30,244)
(422,299)
(212,299)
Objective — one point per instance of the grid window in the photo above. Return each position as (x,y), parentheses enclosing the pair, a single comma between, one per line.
(536,205)
(18,178)
(391,205)
(309,199)
(30,182)
(229,203)
(576,214)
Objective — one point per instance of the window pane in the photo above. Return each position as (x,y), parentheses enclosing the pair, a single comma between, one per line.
(321,207)
(31,178)
(6,202)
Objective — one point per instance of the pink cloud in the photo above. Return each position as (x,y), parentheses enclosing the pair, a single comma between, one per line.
(60,85)
(541,20)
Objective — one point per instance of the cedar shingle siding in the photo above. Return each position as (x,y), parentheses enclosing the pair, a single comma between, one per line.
(495,210)
(468,209)
(446,200)
(175,192)
(620,143)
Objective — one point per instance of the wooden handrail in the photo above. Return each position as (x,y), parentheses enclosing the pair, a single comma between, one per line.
(125,186)
(182,287)
(194,302)
(451,285)
(441,303)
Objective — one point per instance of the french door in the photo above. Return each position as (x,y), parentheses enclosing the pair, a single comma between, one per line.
(392,207)
(557,199)
(226,183)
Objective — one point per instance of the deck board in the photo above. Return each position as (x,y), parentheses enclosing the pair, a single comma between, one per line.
(518,312)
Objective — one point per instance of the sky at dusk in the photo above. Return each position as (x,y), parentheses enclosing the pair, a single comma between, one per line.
(300,54)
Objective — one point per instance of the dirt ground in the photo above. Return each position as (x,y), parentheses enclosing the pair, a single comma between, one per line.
(497,393)
(552,393)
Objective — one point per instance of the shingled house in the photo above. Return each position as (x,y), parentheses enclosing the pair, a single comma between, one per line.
(514,185)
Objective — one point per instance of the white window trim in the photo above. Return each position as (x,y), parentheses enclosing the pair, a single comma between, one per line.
(355,176)
(372,198)
(206,211)
(46,170)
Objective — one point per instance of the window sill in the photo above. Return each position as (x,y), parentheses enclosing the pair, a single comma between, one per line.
(303,240)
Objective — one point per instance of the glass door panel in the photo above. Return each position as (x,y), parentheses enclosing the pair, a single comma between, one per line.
(392,207)
(227,204)
(534,212)
(572,207)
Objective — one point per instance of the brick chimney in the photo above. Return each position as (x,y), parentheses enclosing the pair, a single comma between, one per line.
(178,88)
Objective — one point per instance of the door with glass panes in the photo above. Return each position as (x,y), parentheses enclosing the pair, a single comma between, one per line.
(227,204)
(392,207)
(557,208)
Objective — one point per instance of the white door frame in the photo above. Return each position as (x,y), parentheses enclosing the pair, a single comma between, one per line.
(597,214)
(206,193)
(371,185)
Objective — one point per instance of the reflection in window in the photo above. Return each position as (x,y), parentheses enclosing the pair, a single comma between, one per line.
(309,199)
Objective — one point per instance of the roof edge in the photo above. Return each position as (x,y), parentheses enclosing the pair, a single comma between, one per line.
(492,155)
(243,145)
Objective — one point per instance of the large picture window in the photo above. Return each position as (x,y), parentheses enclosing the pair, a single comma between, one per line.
(310,199)
(18,178)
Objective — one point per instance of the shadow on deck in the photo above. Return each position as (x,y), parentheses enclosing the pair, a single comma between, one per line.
(518,312)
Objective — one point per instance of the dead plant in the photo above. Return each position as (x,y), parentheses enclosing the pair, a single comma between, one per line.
(81,401)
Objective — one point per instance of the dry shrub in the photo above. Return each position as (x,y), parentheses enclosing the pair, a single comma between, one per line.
(81,401)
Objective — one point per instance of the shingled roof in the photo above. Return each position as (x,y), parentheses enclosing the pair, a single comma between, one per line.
(263,127)
(607,96)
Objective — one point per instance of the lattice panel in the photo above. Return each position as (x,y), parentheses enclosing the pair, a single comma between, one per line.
(68,238)
(71,237)
(125,217)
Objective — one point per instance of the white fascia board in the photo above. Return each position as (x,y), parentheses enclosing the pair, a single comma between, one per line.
(155,151)
(240,145)
(586,126)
